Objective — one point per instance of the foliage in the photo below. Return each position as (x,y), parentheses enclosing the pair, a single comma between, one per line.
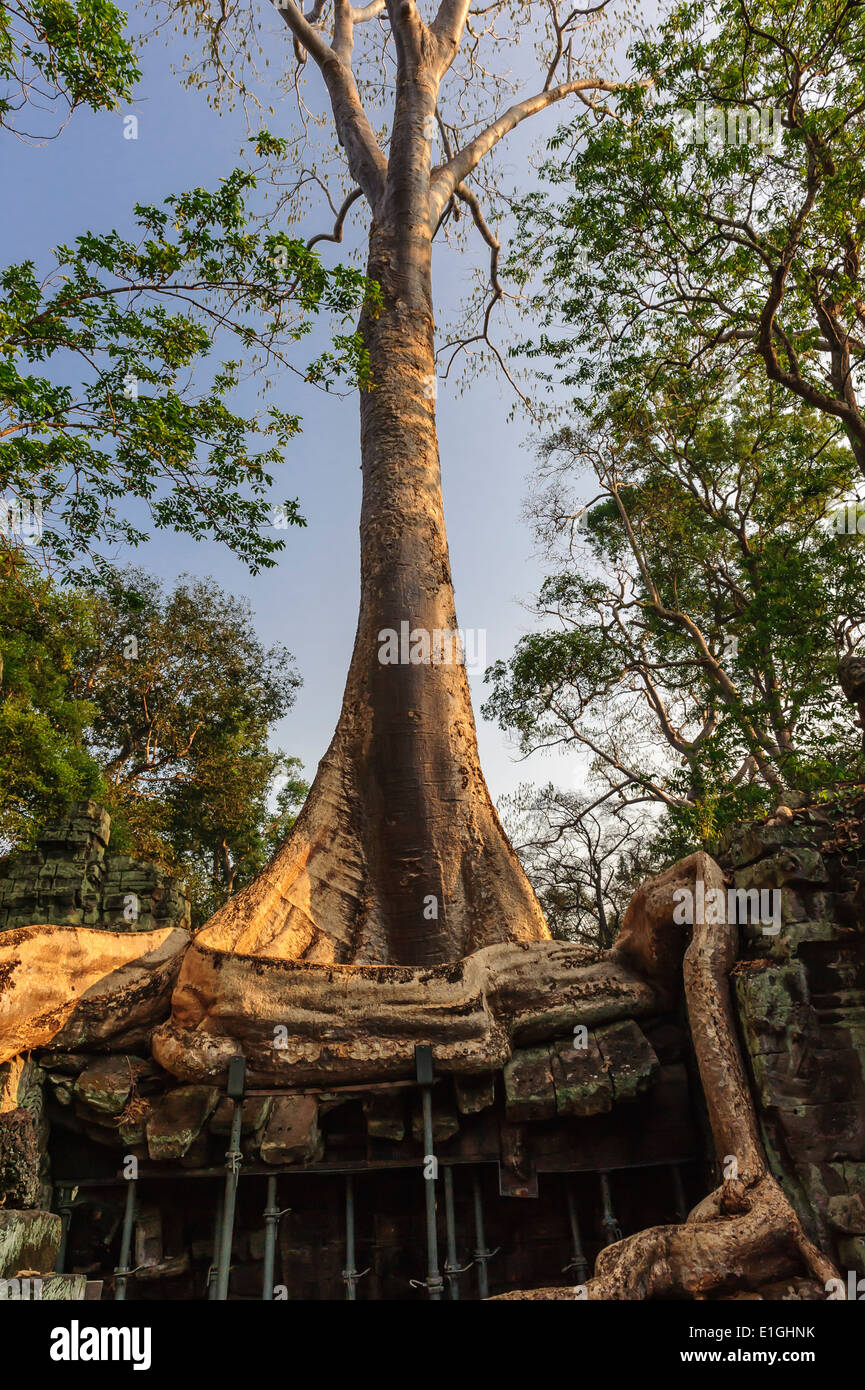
(700,604)
(141,438)
(184,696)
(44,763)
(720,219)
(56,55)
(159,704)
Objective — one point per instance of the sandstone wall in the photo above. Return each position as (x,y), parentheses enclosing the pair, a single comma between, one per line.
(71,880)
(800,992)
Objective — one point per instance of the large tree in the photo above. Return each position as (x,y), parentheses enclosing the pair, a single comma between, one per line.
(399,816)
(700,603)
(725,203)
(182,698)
(44,763)
(112,418)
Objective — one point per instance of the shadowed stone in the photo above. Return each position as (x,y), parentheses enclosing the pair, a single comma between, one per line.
(582,1083)
(28,1240)
(385,1117)
(106,1082)
(530,1092)
(292,1134)
(630,1058)
(475,1093)
(177,1120)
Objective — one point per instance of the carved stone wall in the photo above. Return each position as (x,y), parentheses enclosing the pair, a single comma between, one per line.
(71,880)
(800,990)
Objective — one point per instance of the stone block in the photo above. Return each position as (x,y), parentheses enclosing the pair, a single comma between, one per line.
(106,1082)
(255,1110)
(385,1116)
(292,1134)
(847,1213)
(629,1058)
(28,1240)
(582,1082)
(177,1119)
(475,1093)
(530,1092)
(445,1121)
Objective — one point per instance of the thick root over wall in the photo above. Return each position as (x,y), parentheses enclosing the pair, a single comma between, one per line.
(745,1235)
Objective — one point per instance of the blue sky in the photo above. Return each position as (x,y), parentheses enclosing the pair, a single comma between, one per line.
(89,179)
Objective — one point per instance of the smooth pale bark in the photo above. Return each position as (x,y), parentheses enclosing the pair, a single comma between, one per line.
(398,856)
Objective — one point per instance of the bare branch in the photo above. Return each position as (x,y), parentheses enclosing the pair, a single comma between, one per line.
(446,178)
(366,160)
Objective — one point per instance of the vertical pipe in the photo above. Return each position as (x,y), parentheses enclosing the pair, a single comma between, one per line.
(232,1177)
(65,1198)
(121,1273)
(612,1230)
(579,1262)
(433,1280)
(481,1253)
(350,1271)
(679,1189)
(271,1223)
(217,1237)
(451,1266)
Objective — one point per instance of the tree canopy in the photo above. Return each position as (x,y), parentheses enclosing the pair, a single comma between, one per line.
(109,418)
(162,705)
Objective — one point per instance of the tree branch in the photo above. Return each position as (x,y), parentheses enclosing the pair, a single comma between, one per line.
(448,176)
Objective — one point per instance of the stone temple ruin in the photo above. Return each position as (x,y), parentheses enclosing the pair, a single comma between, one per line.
(180,1120)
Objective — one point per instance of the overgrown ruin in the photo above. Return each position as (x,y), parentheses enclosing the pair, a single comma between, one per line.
(487,1127)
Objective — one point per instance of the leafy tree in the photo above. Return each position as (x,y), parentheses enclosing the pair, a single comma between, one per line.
(115,428)
(701,601)
(44,763)
(722,215)
(161,705)
(183,697)
(57,55)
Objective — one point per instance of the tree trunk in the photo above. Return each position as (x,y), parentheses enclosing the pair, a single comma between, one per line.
(398,856)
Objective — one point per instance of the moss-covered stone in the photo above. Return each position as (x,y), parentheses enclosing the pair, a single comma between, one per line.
(530,1092)
(177,1120)
(582,1081)
(28,1240)
(629,1057)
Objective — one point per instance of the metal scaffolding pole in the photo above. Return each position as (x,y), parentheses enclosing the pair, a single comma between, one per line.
(481,1253)
(217,1237)
(579,1264)
(424,1071)
(612,1229)
(233,1160)
(452,1269)
(121,1273)
(65,1199)
(271,1225)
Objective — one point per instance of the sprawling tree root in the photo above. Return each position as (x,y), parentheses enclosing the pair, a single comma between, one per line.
(745,1234)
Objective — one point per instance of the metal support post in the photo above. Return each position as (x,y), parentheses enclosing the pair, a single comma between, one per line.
(424,1071)
(452,1269)
(217,1237)
(233,1159)
(121,1273)
(482,1255)
(612,1229)
(579,1264)
(271,1226)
